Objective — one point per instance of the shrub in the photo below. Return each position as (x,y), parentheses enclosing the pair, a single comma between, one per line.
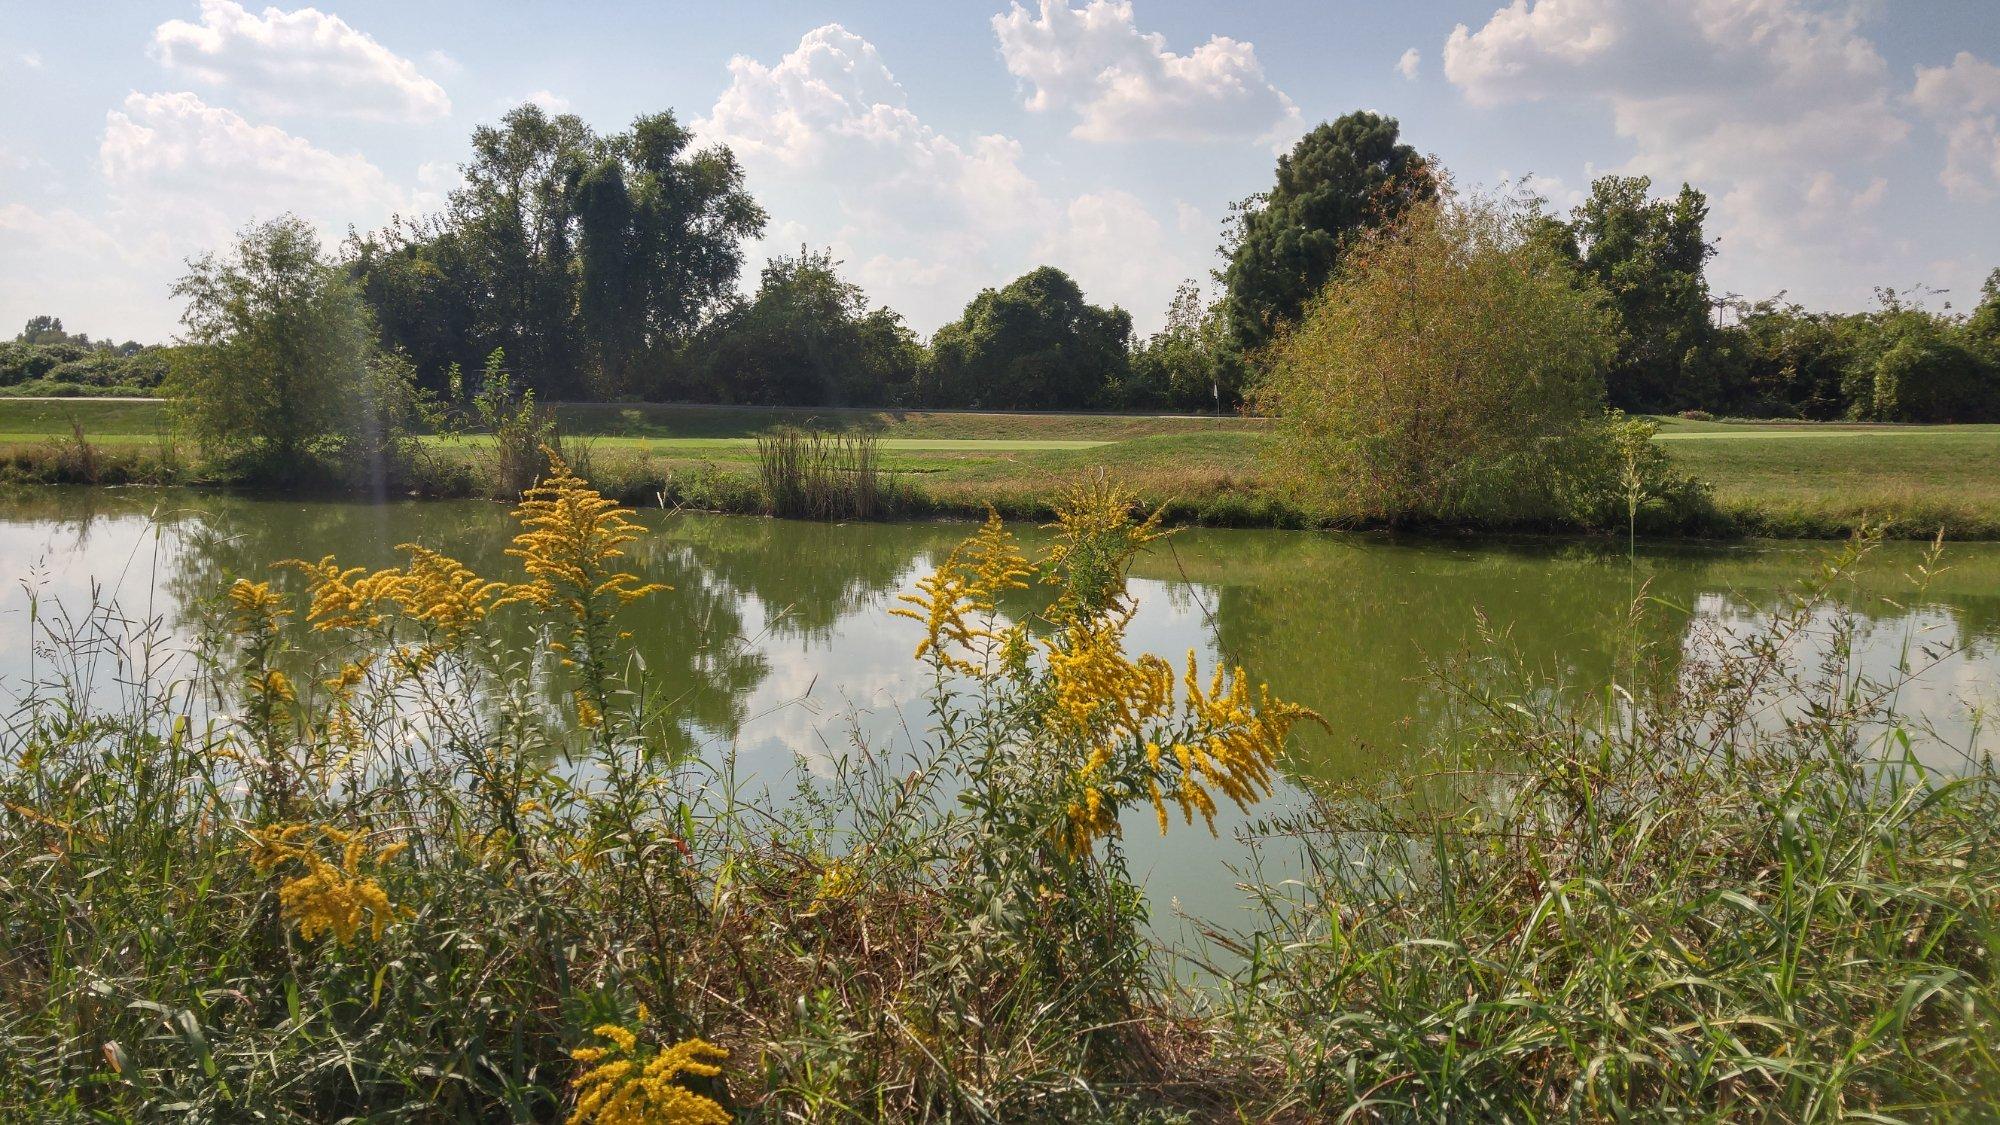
(279,353)
(523,431)
(1613,475)
(1451,361)
(1697,416)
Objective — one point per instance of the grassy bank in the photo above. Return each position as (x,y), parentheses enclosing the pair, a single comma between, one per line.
(401,871)
(1772,479)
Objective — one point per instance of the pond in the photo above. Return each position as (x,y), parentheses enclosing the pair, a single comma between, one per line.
(776,638)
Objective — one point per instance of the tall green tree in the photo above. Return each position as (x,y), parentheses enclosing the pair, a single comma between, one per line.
(1343,178)
(1650,255)
(586,258)
(279,349)
(1034,344)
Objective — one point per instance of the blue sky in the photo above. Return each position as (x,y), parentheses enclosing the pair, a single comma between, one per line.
(946,146)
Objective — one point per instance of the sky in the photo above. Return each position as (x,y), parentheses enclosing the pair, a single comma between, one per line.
(946,146)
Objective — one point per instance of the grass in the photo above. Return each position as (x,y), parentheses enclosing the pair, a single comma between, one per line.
(1775,479)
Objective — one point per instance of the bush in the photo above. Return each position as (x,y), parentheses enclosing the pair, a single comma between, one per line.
(1613,475)
(1451,363)
(1919,371)
(280,352)
(23,362)
(1697,416)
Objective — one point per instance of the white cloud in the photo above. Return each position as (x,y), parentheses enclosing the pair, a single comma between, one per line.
(31,60)
(549,101)
(1777,108)
(923,220)
(1410,63)
(303,60)
(201,168)
(1116,250)
(828,132)
(1124,84)
(180,178)
(98,277)
(1963,101)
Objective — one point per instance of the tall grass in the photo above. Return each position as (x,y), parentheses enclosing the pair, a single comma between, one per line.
(1741,894)
(817,475)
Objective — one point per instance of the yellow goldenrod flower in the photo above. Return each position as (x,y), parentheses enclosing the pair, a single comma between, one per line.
(627,1085)
(569,535)
(328,898)
(254,608)
(967,585)
(442,593)
(272,686)
(1096,540)
(342,598)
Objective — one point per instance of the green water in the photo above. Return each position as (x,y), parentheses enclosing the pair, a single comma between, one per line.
(776,640)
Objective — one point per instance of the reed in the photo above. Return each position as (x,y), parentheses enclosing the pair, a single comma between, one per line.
(817,475)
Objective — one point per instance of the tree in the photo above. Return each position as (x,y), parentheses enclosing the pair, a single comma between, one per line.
(1034,344)
(1982,328)
(49,330)
(1913,365)
(1649,255)
(589,259)
(1190,364)
(1344,178)
(1444,372)
(808,338)
(1781,360)
(279,348)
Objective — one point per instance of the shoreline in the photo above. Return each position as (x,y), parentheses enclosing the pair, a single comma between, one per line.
(1777,480)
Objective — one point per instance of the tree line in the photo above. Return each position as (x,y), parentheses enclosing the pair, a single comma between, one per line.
(606,266)
(45,359)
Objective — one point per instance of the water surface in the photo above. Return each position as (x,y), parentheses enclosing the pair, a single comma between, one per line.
(776,640)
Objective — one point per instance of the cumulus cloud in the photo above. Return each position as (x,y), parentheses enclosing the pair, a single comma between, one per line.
(1963,100)
(1124,84)
(923,220)
(831,101)
(1410,63)
(829,130)
(210,170)
(289,62)
(180,177)
(1776,107)
(1116,250)
(98,274)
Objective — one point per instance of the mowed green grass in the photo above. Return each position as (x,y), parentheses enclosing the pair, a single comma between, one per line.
(1773,477)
